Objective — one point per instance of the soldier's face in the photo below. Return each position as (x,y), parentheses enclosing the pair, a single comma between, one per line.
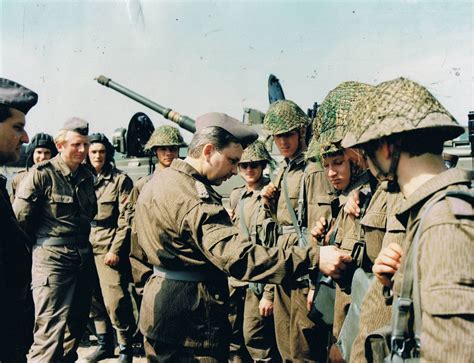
(12,136)
(74,149)
(166,155)
(338,171)
(288,143)
(251,172)
(222,164)
(97,155)
(41,154)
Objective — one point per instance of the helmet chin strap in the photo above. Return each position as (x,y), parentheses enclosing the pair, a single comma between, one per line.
(391,175)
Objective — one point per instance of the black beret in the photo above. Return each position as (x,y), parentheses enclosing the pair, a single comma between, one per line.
(78,125)
(16,96)
(244,134)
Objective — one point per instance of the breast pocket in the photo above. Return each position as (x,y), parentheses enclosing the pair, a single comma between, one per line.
(62,205)
(106,207)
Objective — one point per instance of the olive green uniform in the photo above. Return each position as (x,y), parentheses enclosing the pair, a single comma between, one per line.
(347,234)
(141,269)
(381,228)
(188,236)
(298,338)
(17,179)
(250,330)
(110,232)
(55,207)
(445,265)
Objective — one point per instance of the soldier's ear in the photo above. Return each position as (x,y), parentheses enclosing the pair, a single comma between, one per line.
(207,151)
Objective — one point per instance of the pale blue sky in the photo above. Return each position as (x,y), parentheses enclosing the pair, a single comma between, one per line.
(199,57)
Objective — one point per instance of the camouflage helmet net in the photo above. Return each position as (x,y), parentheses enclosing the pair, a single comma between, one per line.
(284,116)
(330,123)
(165,136)
(396,106)
(256,152)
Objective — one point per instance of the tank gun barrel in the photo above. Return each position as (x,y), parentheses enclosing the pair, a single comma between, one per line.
(185,122)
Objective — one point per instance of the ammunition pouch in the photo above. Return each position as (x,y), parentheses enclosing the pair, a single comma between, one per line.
(322,309)
(361,282)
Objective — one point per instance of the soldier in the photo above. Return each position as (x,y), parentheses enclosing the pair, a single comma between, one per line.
(401,128)
(55,206)
(347,176)
(164,143)
(189,238)
(109,237)
(299,195)
(250,329)
(41,148)
(15,258)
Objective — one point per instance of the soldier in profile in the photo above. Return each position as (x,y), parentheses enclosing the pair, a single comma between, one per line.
(15,257)
(41,148)
(110,239)
(189,238)
(401,127)
(55,205)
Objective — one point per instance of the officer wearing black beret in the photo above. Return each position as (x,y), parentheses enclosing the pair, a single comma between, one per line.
(15,259)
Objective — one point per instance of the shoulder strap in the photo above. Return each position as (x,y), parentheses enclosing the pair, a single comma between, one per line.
(242,225)
(410,294)
(297,222)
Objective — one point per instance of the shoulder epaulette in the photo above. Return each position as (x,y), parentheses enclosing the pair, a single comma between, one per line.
(42,164)
(460,207)
(201,190)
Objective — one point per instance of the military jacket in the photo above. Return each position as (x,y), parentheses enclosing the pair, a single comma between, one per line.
(141,268)
(182,226)
(54,202)
(347,234)
(17,179)
(110,230)
(253,214)
(318,195)
(445,265)
(381,227)
(348,228)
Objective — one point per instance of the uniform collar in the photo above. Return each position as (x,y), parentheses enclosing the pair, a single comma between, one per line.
(59,164)
(105,174)
(298,160)
(434,185)
(263,181)
(184,167)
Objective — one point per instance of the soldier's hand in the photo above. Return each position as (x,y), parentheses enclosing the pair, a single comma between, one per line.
(111,259)
(387,263)
(319,230)
(268,193)
(332,261)
(265,307)
(352,204)
(309,299)
(230,212)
